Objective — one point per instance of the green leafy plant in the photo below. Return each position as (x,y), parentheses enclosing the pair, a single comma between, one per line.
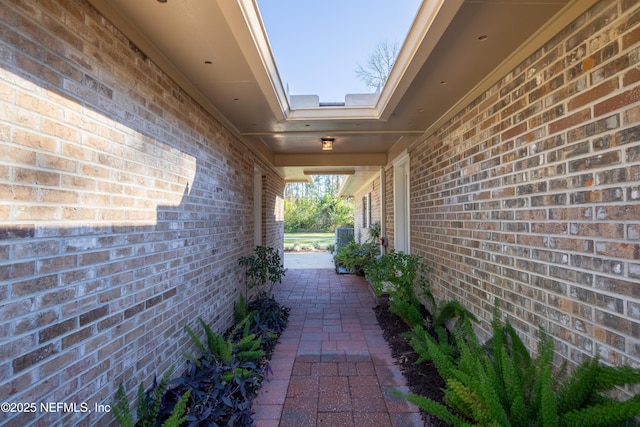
(268,318)
(240,309)
(402,276)
(501,384)
(444,312)
(263,268)
(218,395)
(245,348)
(355,257)
(404,272)
(149,406)
(216,388)
(223,380)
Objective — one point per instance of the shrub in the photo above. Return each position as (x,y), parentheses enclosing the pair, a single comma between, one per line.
(149,406)
(356,256)
(269,318)
(263,268)
(404,272)
(217,387)
(400,275)
(500,384)
(244,347)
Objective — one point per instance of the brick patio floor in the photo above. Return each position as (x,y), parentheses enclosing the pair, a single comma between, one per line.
(332,366)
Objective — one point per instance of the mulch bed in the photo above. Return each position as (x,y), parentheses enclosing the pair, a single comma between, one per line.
(422,378)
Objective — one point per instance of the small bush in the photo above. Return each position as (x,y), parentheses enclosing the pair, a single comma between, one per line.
(218,386)
(263,268)
(402,276)
(501,384)
(355,257)
(150,405)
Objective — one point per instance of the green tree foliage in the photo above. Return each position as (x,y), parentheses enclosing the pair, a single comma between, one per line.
(315,207)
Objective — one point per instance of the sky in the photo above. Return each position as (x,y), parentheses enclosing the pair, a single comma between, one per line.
(318,44)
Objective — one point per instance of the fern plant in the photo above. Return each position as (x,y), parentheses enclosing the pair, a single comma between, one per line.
(452,310)
(408,311)
(501,384)
(240,309)
(245,347)
(148,408)
(438,342)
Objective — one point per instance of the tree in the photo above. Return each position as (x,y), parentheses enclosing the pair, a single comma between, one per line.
(315,207)
(379,65)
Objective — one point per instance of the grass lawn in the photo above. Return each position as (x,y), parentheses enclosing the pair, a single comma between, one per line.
(308,241)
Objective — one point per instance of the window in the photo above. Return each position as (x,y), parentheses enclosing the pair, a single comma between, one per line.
(366,211)
(401,187)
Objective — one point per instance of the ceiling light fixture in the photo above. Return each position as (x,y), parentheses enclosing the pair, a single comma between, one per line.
(327,143)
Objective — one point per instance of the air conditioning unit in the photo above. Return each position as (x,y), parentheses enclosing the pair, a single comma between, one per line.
(344,236)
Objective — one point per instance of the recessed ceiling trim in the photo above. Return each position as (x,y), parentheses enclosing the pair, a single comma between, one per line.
(303,179)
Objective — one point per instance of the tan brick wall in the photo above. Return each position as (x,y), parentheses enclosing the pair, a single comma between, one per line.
(531,195)
(389,231)
(372,188)
(124,209)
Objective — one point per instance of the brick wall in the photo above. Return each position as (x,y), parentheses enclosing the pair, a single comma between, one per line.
(273,212)
(531,194)
(372,190)
(389,217)
(124,209)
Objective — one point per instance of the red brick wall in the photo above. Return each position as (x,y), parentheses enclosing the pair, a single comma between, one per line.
(124,209)
(531,194)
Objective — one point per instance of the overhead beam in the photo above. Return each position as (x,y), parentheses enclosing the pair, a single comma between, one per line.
(332,159)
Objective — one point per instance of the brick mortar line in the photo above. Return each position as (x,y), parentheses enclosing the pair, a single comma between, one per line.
(553,250)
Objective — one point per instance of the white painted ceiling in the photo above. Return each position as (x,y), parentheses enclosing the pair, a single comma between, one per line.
(242,88)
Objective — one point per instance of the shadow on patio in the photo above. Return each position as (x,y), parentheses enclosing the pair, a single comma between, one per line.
(332,365)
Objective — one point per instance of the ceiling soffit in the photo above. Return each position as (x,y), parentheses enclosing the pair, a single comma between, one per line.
(218,52)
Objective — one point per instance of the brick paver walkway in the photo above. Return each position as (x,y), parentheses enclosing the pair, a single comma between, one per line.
(332,366)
